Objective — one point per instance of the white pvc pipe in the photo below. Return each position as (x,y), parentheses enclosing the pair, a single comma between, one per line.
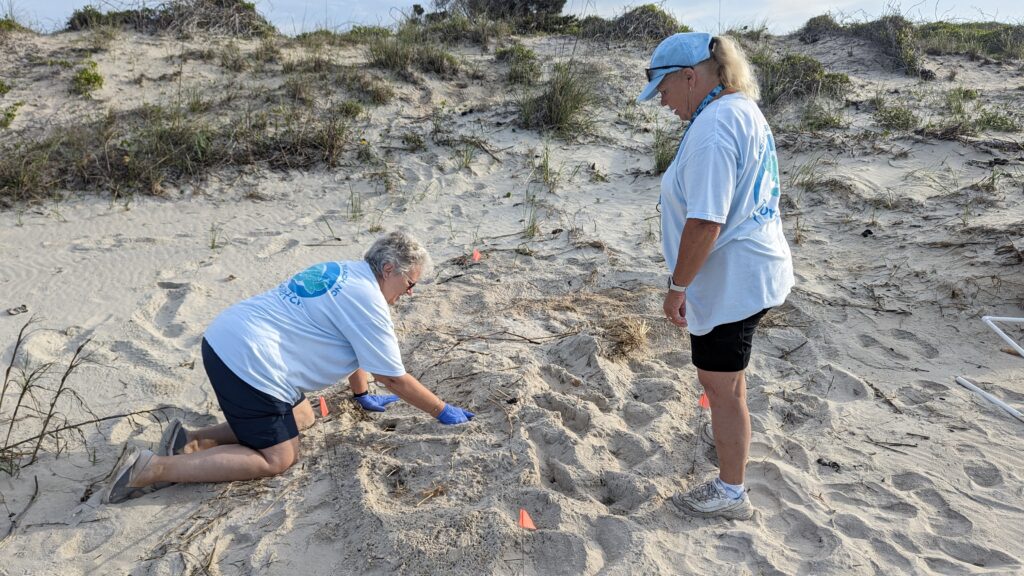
(991,320)
(970,386)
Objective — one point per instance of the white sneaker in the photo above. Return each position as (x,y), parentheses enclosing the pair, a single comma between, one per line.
(708,500)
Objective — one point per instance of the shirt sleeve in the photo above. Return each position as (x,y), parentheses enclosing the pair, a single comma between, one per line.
(708,181)
(373,340)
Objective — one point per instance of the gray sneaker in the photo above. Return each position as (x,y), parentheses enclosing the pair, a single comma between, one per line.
(708,500)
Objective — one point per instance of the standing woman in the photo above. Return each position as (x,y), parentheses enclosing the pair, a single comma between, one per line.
(722,239)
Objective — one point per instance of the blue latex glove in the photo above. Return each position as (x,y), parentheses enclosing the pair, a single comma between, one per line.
(375,402)
(454,415)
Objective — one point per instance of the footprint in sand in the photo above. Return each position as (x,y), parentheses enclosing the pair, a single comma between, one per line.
(574,414)
(927,350)
(983,473)
(871,342)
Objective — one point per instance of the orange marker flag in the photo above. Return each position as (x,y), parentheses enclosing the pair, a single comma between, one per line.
(704,403)
(323,407)
(476,255)
(525,521)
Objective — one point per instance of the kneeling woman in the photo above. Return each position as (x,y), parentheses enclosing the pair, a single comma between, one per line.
(263,354)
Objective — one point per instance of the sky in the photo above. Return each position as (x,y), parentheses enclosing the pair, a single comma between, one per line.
(781,16)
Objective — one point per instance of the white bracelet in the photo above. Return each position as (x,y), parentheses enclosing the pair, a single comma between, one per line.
(675,287)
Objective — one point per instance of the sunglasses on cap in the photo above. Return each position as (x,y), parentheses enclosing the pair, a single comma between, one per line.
(649,71)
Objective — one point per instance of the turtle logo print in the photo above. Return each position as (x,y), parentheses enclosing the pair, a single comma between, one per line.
(315,280)
(767,207)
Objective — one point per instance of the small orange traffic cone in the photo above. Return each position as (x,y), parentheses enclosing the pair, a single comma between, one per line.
(525,521)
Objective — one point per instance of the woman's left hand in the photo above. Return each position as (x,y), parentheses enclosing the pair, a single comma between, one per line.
(675,308)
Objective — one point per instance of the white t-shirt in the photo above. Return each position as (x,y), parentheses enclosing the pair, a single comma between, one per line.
(726,171)
(309,332)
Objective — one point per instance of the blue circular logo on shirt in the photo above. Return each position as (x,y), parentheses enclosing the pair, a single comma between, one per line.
(315,280)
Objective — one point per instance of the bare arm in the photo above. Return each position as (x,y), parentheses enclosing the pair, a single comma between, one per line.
(698,239)
(408,388)
(359,381)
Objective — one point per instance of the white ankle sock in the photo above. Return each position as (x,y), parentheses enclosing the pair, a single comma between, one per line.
(733,490)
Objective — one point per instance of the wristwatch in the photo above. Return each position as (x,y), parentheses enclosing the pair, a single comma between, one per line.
(675,287)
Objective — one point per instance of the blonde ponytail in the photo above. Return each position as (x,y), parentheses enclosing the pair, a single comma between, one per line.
(734,71)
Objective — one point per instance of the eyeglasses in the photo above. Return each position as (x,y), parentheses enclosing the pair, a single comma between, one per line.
(411,284)
(649,70)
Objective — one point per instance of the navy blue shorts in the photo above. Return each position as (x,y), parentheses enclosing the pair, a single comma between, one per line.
(727,347)
(258,419)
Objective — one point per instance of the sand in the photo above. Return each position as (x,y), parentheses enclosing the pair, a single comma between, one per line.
(867,458)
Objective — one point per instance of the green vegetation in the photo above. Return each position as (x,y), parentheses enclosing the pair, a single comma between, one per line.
(356,35)
(232,59)
(817,28)
(400,54)
(562,103)
(894,117)
(665,147)
(523,66)
(146,148)
(975,39)
(819,114)
(997,121)
(182,17)
(7,114)
(646,23)
(349,109)
(957,99)
(795,76)
(86,79)
(4,87)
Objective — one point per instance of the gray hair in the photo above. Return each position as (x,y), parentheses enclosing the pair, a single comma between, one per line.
(402,251)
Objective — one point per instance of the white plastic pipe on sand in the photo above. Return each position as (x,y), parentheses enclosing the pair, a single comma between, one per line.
(991,320)
(970,386)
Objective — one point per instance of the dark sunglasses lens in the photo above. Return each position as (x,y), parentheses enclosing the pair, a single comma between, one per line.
(647,71)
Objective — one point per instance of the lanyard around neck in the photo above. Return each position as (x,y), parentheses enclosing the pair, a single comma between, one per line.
(707,100)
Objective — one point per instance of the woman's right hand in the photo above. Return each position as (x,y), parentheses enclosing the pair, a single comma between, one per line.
(675,308)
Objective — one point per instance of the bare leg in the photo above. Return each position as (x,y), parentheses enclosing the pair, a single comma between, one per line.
(221,434)
(224,463)
(727,393)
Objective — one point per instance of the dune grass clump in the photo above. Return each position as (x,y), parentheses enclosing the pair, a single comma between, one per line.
(645,23)
(975,39)
(8,113)
(144,149)
(523,65)
(182,17)
(956,99)
(400,54)
(894,116)
(4,87)
(996,121)
(563,101)
(896,37)
(665,147)
(365,86)
(87,79)
(349,109)
(819,114)
(231,58)
(321,37)
(795,76)
(818,27)
(268,52)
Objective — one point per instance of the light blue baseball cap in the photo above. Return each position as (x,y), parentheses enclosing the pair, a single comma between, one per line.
(683,50)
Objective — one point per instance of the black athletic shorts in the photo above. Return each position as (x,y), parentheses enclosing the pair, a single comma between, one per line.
(727,347)
(258,419)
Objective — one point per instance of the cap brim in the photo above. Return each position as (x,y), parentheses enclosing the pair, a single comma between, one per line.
(650,90)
